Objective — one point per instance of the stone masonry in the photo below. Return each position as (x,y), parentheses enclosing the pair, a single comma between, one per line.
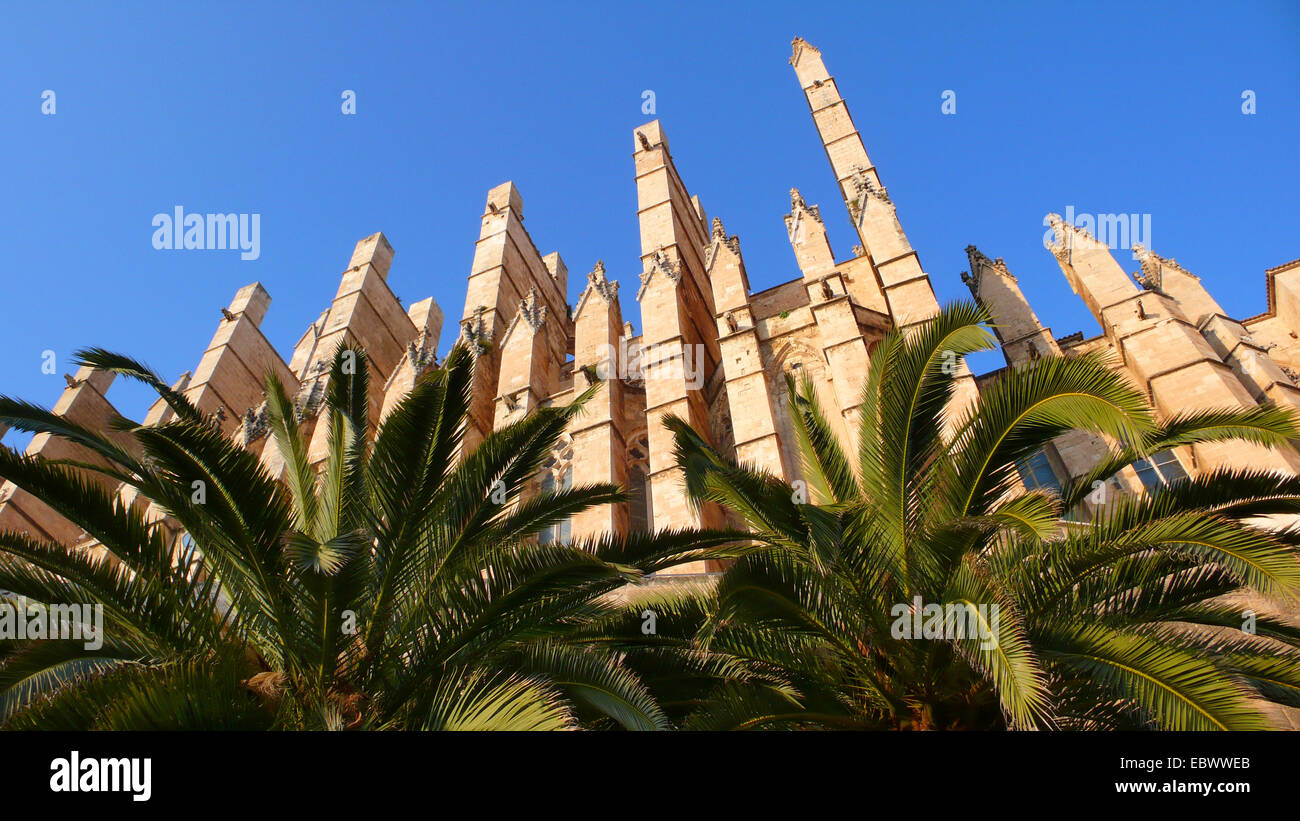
(712,351)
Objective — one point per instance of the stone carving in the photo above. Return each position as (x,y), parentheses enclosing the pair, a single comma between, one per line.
(601,284)
(978,262)
(420,353)
(865,187)
(660,263)
(474,336)
(1062,241)
(309,400)
(531,311)
(798,206)
(718,238)
(798,44)
(256,425)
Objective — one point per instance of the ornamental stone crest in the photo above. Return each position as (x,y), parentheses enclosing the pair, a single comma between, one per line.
(717,239)
(474,335)
(256,425)
(531,311)
(865,187)
(600,283)
(660,263)
(798,206)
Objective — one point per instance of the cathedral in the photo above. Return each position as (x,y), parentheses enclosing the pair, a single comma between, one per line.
(716,353)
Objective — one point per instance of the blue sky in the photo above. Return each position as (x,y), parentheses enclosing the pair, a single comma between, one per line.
(1108,107)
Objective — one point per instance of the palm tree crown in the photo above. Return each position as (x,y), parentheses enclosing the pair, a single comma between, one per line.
(396,584)
(919,586)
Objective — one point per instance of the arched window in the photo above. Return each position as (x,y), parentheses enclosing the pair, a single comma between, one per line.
(797,361)
(641,515)
(556,476)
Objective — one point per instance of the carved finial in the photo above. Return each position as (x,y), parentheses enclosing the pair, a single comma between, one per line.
(256,425)
(473,334)
(1061,241)
(978,262)
(717,239)
(863,184)
(1153,267)
(600,283)
(1149,276)
(975,255)
(663,263)
(797,45)
(660,263)
(532,313)
(420,353)
(798,206)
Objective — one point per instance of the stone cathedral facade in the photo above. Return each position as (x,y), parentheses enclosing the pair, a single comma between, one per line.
(715,352)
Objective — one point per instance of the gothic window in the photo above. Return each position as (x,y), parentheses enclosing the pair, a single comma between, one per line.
(556,476)
(797,360)
(1161,470)
(638,486)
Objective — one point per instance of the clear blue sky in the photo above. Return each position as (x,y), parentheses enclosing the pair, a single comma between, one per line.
(235,107)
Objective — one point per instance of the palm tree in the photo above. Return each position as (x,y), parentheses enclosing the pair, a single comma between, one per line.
(394,586)
(1133,620)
